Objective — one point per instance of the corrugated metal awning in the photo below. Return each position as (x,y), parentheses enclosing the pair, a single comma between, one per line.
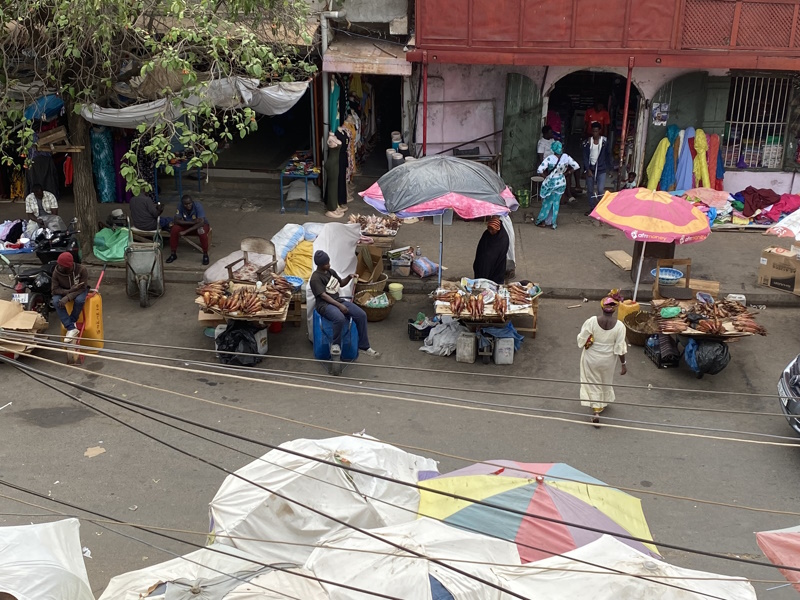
(365,56)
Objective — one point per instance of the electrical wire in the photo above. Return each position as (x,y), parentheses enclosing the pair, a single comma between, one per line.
(422,449)
(456,406)
(266,489)
(418,555)
(374,475)
(376,365)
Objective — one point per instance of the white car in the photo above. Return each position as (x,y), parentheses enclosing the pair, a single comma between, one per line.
(789,392)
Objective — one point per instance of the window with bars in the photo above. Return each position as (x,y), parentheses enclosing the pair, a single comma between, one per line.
(756,122)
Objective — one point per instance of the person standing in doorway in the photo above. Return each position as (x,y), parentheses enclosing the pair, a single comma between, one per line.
(596,163)
(545,146)
(598,114)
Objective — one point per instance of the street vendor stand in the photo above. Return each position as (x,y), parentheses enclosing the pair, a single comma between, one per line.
(300,166)
(231,300)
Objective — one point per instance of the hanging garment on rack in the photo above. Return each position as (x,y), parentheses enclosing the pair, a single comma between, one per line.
(683,176)
(667,181)
(103,164)
(713,155)
(333,106)
(43,171)
(344,152)
(68,171)
(122,143)
(352,134)
(332,175)
(701,159)
(656,166)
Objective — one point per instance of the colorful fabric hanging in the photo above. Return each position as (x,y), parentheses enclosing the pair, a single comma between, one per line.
(701,159)
(656,166)
(713,155)
(683,175)
(720,184)
(667,182)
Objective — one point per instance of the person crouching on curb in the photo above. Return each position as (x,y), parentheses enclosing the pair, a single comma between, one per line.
(69,284)
(325,284)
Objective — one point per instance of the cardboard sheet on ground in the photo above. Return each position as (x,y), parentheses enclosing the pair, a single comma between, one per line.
(620,258)
(43,562)
(241,509)
(21,323)
(571,576)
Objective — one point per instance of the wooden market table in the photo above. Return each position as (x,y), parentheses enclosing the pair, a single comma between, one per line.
(492,318)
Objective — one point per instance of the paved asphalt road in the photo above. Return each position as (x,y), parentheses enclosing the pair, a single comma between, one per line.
(137,479)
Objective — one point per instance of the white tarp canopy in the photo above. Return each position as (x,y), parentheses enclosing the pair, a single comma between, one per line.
(361,561)
(43,562)
(560,578)
(244,510)
(215,576)
(226,93)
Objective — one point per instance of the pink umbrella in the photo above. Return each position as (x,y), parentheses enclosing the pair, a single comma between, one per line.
(782,547)
(648,216)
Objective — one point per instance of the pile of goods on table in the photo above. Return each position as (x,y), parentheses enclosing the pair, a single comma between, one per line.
(375,225)
(477,299)
(722,318)
(301,163)
(241,299)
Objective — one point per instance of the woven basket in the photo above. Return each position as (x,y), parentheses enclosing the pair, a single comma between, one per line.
(640,326)
(376,287)
(373,314)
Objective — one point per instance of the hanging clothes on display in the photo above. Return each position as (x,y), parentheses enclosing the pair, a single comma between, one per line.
(667,181)
(656,166)
(713,153)
(43,171)
(332,171)
(333,105)
(122,143)
(701,159)
(720,178)
(103,164)
(683,175)
(17,186)
(343,136)
(69,171)
(145,165)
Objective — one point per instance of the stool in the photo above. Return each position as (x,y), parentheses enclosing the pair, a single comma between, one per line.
(194,244)
(536,187)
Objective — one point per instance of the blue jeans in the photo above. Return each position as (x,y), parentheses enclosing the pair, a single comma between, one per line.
(339,321)
(595,188)
(69,319)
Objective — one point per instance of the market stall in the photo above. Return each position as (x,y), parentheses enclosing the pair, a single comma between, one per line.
(255,302)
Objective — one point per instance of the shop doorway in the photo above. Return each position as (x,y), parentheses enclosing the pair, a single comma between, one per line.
(575,94)
(269,147)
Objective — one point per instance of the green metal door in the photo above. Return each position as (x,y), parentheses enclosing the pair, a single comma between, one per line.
(522,122)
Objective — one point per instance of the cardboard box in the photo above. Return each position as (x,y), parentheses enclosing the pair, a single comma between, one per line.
(370,264)
(779,269)
(16,319)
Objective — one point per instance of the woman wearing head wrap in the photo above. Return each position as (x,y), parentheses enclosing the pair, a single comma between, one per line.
(603,340)
(325,284)
(554,184)
(490,257)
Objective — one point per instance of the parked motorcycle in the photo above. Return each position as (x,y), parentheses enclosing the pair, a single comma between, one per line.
(32,287)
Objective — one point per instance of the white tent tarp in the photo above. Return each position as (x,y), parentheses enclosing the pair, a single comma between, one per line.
(361,561)
(218,576)
(226,93)
(43,562)
(244,510)
(560,578)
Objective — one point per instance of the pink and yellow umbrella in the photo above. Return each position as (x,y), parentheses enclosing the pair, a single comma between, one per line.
(647,216)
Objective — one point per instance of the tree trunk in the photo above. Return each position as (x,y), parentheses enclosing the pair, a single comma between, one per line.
(83,179)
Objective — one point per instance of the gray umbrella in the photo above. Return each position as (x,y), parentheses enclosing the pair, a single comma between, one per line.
(420,181)
(433,185)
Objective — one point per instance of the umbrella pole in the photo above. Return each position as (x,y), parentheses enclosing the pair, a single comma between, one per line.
(639,271)
(441,247)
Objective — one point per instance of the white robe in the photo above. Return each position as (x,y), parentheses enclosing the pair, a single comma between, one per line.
(599,361)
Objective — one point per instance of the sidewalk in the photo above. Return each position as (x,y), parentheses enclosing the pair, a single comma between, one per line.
(568,262)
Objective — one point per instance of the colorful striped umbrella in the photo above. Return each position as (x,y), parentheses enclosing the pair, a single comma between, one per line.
(782,547)
(551,490)
(647,216)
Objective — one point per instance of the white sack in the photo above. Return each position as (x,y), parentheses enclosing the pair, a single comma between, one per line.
(339,240)
(43,562)
(244,510)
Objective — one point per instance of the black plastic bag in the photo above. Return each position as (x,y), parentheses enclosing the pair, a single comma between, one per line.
(238,338)
(712,357)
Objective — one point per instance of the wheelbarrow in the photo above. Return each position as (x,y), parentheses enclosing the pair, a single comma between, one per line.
(144,269)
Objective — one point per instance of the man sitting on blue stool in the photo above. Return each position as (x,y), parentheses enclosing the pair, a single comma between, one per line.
(325,285)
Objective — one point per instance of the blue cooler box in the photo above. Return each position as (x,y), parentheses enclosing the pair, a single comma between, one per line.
(323,336)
